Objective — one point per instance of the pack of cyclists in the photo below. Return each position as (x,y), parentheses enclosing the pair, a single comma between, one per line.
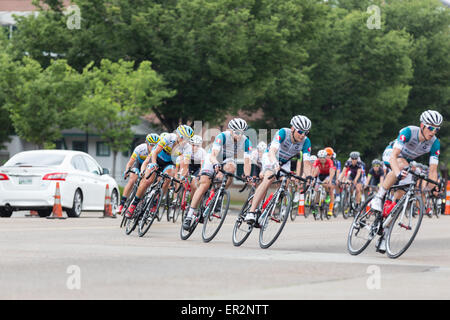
(181,154)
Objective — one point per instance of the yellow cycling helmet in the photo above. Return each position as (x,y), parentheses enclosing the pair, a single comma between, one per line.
(185,131)
(152,138)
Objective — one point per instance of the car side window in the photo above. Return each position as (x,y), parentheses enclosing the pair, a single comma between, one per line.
(92,166)
(79,164)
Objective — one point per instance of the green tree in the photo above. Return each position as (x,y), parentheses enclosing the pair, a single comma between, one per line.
(40,101)
(6,127)
(115,97)
(220,56)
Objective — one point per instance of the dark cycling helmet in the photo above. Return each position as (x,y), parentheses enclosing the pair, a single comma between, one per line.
(354,154)
(376,162)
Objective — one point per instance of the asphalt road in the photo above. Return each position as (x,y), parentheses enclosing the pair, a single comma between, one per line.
(92,258)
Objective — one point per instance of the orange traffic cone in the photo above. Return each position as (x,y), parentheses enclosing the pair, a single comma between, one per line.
(447,199)
(107,211)
(57,208)
(301,205)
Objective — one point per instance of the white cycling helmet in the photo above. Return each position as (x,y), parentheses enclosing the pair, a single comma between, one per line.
(262,146)
(196,140)
(238,124)
(301,123)
(432,118)
(322,154)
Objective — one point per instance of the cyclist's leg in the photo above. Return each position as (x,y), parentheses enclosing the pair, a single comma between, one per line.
(171,171)
(206,173)
(229,166)
(330,190)
(388,182)
(259,195)
(143,186)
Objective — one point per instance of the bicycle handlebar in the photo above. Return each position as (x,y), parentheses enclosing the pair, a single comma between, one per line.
(419,176)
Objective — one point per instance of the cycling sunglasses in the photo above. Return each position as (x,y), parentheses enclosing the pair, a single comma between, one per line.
(431,128)
(302,132)
(238,132)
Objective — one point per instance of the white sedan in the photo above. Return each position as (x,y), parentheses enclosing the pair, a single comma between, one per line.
(28,182)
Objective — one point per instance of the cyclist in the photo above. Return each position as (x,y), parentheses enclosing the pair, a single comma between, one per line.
(227,147)
(375,175)
(353,172)
(163,158)
(325,171)
(411,143)
(198,157)
(137,165)
(287,143)
(332,155)
(386,156)
(256,157)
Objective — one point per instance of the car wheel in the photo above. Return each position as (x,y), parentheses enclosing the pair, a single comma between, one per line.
(44,212)
(77,206)
(5,213)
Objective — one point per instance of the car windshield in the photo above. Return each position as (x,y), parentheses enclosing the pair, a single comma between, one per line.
(35,159)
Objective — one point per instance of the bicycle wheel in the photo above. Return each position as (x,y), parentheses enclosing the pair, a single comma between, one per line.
(294,209)
(436,207)
(131,223)
(307,204)
(160,213)
(242,229)
(127,204)
(148,215)
(363,229)
(404,227)
(216,216)
(346,204)
(185,234)
(184,205)
(274,221)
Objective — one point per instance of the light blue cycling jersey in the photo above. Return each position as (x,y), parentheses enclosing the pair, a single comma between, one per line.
(411,148)
(140,153)
(225,144)
(170,151)
(287,149)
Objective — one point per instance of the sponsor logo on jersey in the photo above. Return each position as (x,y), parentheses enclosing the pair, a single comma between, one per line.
(438,152)
(309,149)
(402,138)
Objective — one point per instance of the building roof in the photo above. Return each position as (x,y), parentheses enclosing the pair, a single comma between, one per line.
(21,5)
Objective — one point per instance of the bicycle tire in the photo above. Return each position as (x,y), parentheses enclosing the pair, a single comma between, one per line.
(346,204)
(360,223)
(127,204)
(212,215)
(271,218)
(238,241)
(307,204)
(147,218)
(390,251)
(185,234)
(131,223)
(293,213)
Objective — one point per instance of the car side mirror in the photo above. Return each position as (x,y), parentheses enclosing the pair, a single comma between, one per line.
(105,171)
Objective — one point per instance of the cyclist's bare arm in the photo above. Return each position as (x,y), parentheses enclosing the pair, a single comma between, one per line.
(158,149)
(130,163)
(213,156)
(307,168)
(247,166)
(358,174)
